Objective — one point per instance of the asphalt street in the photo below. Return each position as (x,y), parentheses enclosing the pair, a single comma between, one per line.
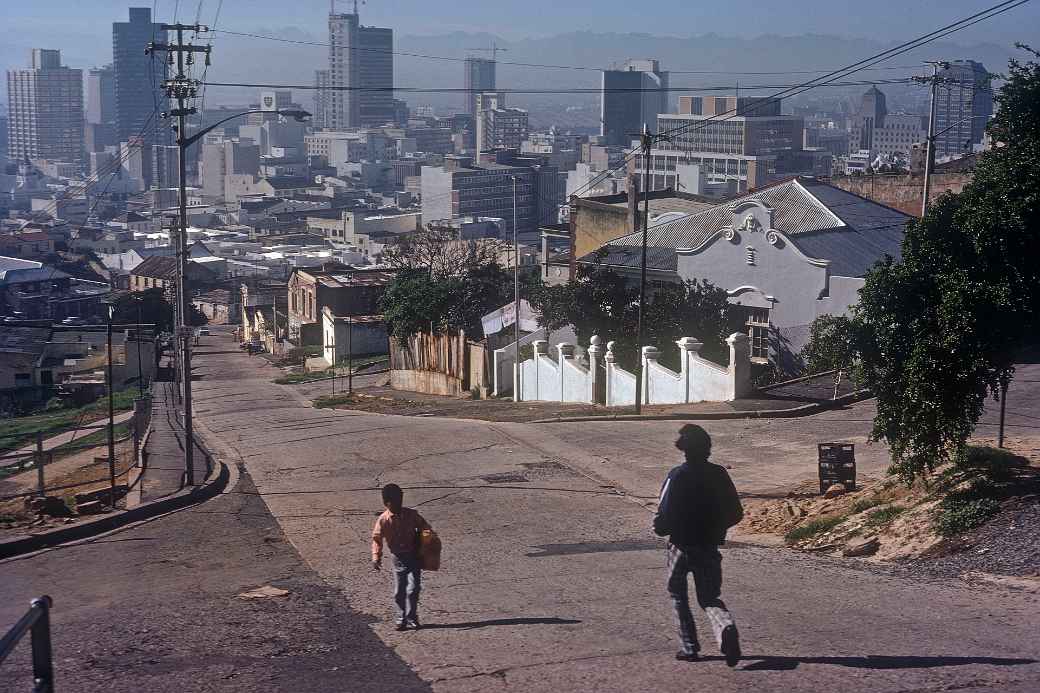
(156,608)
(551,580)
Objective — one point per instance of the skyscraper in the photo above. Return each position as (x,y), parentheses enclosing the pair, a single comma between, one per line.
(361,73)
(45,106)
(963,103)
(871,115)
(138,79)
(631,97)
(480,77)
(101,95)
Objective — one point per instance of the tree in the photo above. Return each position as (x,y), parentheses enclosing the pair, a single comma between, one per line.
(599,301)
(832,346)
(438,251)
(154,309)
(938,329)
(418,301)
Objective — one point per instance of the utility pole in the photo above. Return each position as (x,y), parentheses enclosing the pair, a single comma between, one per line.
(646,142)
(350,355)
(516,303)
(181,88)
(111,421)
(929,154)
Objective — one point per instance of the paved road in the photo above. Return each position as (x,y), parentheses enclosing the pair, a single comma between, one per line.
(551,581)
(155,608)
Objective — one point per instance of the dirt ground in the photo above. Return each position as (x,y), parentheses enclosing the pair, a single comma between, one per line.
(900,519)
(87,467)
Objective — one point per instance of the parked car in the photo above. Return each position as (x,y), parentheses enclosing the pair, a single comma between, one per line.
(73,321)
(204,331)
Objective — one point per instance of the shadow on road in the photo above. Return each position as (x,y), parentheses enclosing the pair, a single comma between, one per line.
(535,621)
(875,662)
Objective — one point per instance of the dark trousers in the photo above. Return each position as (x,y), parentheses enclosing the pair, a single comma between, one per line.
(407,585)
(705,562)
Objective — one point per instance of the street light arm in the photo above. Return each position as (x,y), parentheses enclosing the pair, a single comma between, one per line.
(185,143)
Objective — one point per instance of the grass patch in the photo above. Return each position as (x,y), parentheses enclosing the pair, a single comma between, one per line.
(880,518)
(328,401)
(341,371)
(296,378)
(864,504)
(965,510)
(20,431)
(812,528)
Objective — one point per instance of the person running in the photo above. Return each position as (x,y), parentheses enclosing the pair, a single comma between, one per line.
(400,527)
(698,504)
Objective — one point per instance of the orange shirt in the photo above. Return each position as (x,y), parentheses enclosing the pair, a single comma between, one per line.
(399,531)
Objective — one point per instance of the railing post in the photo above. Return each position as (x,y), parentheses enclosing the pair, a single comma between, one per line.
(42,660)
(40,460)
(688,348)
(595,352)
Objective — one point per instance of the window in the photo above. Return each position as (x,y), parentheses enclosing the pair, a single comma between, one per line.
(758,333)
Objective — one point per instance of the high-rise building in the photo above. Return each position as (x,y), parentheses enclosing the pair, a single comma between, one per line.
(480,77)
(752,145)
(499,127)
(631,97)
(45,109)
(322,99)
(870,116)
(361,74)
(963,104)
(101,95)
(139,97)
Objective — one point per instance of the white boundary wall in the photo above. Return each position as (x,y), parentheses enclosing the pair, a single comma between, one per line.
(699,380)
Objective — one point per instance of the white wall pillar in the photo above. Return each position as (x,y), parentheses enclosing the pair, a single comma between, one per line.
(688,348)
(739,363)
(595,352)
(650,354)
(608,360)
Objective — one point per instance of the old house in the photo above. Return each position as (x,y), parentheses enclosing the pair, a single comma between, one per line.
(160,272)
(786,254)
(344,290)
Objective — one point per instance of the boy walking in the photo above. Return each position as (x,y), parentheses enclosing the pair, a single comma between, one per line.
(399,527)
(698,505)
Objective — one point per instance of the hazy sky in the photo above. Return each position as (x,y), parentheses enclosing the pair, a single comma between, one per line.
(82,24)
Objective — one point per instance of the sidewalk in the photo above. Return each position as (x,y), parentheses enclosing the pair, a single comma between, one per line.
(164,450)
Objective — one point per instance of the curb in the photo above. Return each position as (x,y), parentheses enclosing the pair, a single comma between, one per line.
(794,412)
(212,486)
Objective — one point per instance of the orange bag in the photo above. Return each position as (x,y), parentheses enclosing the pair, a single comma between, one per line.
(429,550)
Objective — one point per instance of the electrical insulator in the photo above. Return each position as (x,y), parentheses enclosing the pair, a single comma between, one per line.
(191,58)
(207,58)
(170,59)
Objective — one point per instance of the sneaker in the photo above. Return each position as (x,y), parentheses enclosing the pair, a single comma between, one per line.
(401,625)
(687,656)
(730,645)
(414,622)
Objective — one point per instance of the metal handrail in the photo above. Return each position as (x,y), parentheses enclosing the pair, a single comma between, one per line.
(37,620)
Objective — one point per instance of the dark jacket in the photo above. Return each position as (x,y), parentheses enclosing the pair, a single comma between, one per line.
(698,504)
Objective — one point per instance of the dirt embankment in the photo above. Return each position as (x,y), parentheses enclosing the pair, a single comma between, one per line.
(981,518)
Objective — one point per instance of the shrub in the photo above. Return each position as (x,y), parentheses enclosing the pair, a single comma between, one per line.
(812,528)
(882,517)
(962,511)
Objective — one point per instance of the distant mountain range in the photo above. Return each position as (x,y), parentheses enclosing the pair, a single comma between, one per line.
(237,59)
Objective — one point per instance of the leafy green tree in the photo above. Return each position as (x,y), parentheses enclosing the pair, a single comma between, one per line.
(939,329)
(418,301)
(599,301)
(832,346)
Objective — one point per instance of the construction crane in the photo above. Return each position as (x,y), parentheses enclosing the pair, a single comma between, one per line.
(494,50)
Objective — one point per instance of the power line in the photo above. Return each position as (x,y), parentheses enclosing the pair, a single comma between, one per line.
(532,90)
(858,66)
(523,64)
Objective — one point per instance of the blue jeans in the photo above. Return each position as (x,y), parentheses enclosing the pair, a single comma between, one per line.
(407,585)
(705,562)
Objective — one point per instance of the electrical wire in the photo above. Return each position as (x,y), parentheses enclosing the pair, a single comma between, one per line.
(522,64)
(566,90)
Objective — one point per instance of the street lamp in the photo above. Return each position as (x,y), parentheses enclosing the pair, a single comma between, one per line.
(184,299)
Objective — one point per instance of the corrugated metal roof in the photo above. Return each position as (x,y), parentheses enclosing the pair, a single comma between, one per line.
(823,221)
